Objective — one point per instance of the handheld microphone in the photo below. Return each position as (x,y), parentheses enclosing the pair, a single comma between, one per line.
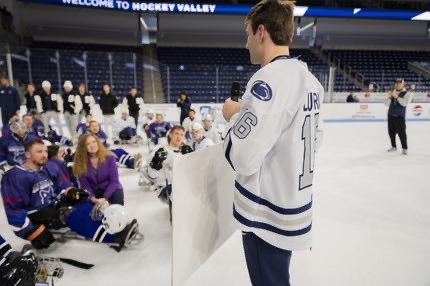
(235,91)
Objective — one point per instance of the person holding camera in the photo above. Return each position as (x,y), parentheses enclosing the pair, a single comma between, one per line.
(397,101)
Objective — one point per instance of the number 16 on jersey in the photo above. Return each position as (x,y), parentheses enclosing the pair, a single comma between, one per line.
(309,133)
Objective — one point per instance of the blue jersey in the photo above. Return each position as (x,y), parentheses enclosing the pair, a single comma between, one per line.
(57,171)
(5,132)
(38,128)
(102,137)
(82,128)
(12,149)
(158,130)
(39,131)
(24,192)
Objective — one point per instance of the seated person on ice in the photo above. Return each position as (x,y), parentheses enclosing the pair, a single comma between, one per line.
(159,171)
(125,129)
(199,139)
(159,128)
(97,172)
(35,205)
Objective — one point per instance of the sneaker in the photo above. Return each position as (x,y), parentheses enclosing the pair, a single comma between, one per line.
(392,149)
(405,151)
(137,160)
(126,236)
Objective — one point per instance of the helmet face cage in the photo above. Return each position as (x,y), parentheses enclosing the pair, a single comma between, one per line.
(18,128)
(115,218)
(49,270)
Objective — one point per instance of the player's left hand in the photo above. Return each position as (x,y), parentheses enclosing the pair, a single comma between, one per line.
(230,108)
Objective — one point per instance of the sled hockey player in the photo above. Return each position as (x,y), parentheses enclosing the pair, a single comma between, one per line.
(159,128)
(82,128)
(25,268)
(36,127)
(12,147)
(159,170)
(211,131)
(34,206)
(199,139)
(125,129)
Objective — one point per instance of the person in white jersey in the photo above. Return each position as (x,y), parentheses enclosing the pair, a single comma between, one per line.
(271,146)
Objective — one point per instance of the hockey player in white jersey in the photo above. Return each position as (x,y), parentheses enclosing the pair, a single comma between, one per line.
(199,139)
(271,146)
(211,132)
(159,169)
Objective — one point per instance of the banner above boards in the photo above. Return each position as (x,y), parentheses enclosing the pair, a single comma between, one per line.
(300,11)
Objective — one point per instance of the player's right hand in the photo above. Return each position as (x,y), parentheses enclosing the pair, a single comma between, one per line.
(41,237)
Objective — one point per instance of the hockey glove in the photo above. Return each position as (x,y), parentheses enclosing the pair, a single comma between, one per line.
(185,149)
(76,195)
(159,157)
(18,270)
(41,237)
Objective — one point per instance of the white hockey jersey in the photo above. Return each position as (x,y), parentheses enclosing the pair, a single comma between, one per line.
(188,124)
(161,178)
(121,124)
(271,146)
(202,144)
(213,135)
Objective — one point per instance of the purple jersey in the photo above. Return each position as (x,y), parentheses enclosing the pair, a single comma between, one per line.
(12,149)
(57,171)
(158,130)
(82,128)
(102,137)
(25,191)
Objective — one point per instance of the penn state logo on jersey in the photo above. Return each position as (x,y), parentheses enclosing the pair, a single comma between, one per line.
(261,90)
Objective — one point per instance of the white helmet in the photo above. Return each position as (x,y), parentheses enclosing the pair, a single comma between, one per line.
(115,218)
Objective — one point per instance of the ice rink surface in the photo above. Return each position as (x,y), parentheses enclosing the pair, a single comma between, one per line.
(371,222)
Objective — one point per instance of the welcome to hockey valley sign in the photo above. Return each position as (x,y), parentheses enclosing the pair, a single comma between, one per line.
(299,11)
(144,6)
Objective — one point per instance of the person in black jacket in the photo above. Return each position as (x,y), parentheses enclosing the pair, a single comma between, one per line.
(351,98)
(30,102)
(72,107)
(108,103)
(9,99)
(397,101)
(50,105)
(184,102)
(87,100)
(134,103)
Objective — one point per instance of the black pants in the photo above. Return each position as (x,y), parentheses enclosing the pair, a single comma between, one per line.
(267,264)
(135,115)
(116,198)
(182,118)
(397,125)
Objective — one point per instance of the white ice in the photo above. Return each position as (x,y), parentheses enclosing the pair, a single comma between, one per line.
(371,222)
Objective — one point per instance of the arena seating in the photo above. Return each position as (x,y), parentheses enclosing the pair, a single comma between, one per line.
(383,67)
(198,70)
(71,60)
(205,73)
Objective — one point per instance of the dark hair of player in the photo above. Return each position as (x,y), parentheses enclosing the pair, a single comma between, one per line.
(277,16)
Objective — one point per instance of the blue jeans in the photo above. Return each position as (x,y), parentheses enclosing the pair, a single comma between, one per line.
(267,264)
